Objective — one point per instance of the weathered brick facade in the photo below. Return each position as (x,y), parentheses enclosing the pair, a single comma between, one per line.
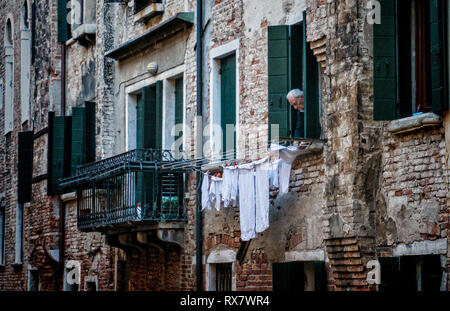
(370,191)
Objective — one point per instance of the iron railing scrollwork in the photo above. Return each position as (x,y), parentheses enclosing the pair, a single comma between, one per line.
(135,187)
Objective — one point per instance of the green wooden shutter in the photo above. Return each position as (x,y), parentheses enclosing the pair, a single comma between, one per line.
(63,25)
(78,138)
(60,152)
(179,107)
(278,78)
(310,88)
(295,68)
(438,76)
(390,273)
(90,132)
(25,166)
(158,116)
(228,102)
(384,62)
(320,276)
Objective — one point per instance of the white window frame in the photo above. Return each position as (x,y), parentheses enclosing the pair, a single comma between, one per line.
(216,54)
(25,63)
(216,257)
(131,102)
(9,78)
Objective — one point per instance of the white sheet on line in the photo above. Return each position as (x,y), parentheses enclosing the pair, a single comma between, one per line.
(247,201)
(230,186)
(262,168)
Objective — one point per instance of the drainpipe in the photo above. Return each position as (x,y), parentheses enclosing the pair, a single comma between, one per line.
(198,212)
(62,208)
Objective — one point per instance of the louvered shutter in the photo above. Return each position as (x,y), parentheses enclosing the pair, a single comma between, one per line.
(385,84)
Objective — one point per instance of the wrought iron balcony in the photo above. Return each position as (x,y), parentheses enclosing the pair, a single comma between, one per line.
(136,188)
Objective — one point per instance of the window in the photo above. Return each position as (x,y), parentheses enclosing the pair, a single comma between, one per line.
(173,114)
(224,113)
(292,64)
(25,63)
(409,59)
(65,15)
(228,105)
(19,234)
(9,77)
(299,276)
(411,273)
(220,277)
(71,143)
(25,166)
(2,232)
(33,280)
(223,277)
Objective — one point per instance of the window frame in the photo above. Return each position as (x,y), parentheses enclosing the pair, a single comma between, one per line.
(132,90)
(216,139)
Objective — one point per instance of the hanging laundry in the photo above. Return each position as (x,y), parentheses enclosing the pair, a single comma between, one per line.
(262,168)
(205,192)
(287,156)
(274,174)
(230,186)
(247,201)
(284,176)
(215,191)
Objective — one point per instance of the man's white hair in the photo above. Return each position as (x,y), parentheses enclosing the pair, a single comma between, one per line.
(296,93)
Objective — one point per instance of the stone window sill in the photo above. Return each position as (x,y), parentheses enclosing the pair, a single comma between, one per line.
(67,197)
(85,33)
(414,123)
(150,11)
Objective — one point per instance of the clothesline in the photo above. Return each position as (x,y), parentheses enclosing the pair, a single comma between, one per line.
(249,184)
(228,156)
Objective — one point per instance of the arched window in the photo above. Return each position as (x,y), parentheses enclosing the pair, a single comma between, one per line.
(9,76)
(25,62)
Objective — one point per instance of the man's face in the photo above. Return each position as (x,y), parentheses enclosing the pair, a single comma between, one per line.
(297,102)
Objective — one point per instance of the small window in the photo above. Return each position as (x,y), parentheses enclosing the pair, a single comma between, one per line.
(25,16)
(411,273)
(299,276)
(19,234)
(9,35)
(223,276)
(33,280)
(409,59)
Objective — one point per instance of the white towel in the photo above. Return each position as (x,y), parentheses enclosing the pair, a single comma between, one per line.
(230,186)
(262,194)
(215,192)
(274,174)
(284,176)
(247,211)
(205,192)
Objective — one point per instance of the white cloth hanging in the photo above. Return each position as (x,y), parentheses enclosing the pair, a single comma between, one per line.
(215,191)
(247,201)
(274,174)
(230,186)
(284,176)
(262,168)
(287,156)
(205,192)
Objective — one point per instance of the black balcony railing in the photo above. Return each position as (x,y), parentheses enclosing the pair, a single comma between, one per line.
(139,187)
